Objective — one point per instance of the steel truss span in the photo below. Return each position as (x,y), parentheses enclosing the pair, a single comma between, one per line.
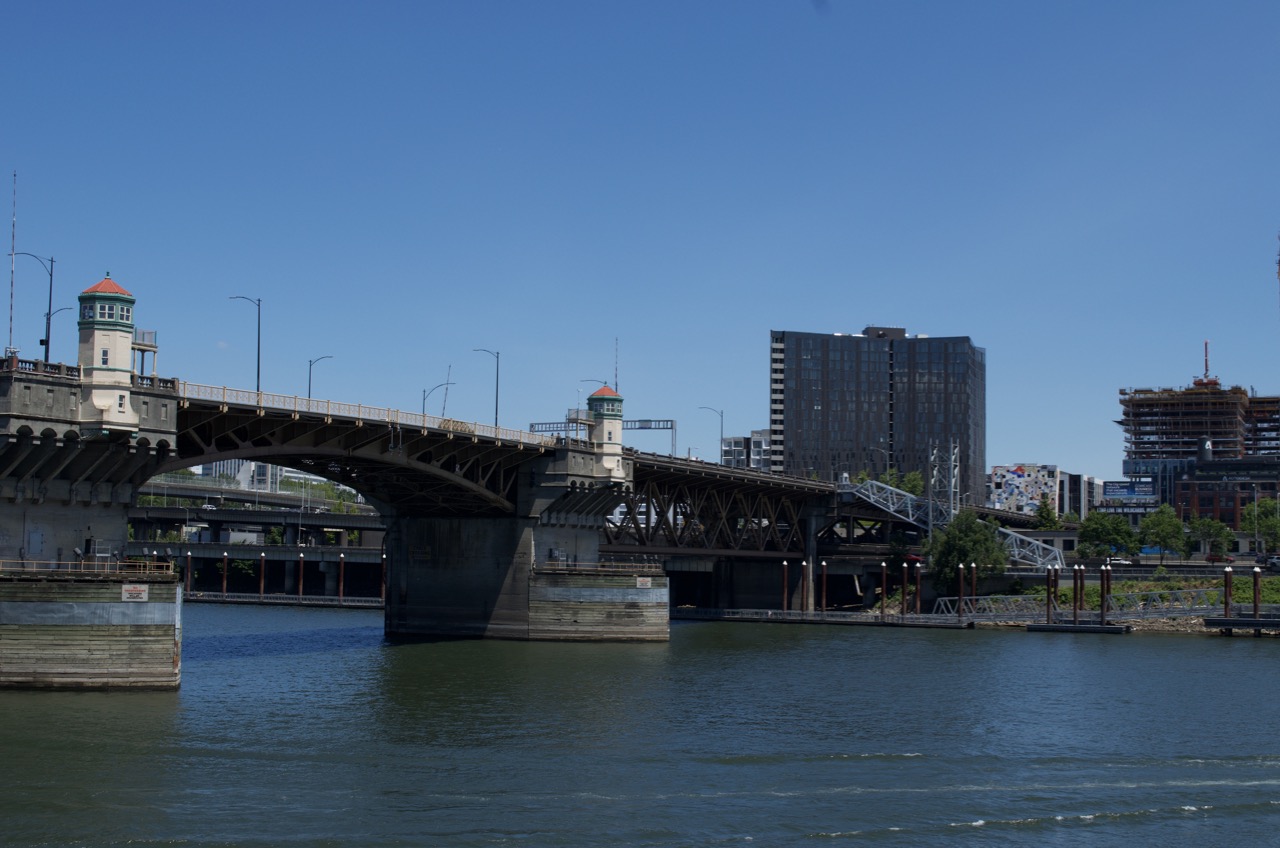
(690,507)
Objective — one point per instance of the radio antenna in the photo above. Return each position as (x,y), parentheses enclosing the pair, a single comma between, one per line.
(13,246)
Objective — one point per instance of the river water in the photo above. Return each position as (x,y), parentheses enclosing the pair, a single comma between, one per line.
(302,727)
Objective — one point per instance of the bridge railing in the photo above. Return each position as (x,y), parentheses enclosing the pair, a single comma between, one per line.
(38,366)
(88,566)
(994,608)
(566,564)
(282,599)
(1173,603)
(1167,604)
(356,412)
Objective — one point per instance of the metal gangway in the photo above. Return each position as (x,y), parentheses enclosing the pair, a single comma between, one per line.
(1171,603)
(927,513)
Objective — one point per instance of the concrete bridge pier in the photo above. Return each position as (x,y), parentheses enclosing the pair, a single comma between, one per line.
(496,578)
(534,573)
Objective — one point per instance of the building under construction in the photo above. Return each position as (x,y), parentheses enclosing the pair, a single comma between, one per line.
(1203,437)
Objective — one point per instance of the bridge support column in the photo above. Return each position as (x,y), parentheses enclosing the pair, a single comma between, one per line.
(493,577)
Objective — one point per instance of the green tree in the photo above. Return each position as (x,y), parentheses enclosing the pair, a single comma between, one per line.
(1163,529)
(913,483)
(1047,515)
(1262,520)
(1104,533)
(892,478)
(965,540)
(1212,534)
(899,547)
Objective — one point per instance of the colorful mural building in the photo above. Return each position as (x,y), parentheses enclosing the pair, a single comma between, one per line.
(1020,488)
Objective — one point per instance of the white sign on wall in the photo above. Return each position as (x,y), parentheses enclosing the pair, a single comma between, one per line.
(644,582)
(135,592)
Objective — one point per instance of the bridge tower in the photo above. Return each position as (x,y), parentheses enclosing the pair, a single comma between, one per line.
(106,359)
(605,408)
(75,443)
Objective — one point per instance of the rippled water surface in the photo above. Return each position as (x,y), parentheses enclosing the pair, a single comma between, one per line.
(303,728)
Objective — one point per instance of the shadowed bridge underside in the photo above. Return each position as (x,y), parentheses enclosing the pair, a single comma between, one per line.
(414,464)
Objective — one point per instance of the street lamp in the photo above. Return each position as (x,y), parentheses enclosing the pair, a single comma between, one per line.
(888,457)
(497,369)
(311,364)
(719,412)
(47,321)
(256,301)
(426,393)
(48,315)
(1257,525)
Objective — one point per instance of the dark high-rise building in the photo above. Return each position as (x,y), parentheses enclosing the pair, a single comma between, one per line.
(843,403)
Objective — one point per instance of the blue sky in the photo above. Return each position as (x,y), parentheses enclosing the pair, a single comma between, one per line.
(1088,190)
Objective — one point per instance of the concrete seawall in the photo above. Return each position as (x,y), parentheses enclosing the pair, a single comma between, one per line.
(90,631)
(598,605)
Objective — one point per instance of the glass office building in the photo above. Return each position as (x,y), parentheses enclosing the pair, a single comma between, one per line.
(844,403)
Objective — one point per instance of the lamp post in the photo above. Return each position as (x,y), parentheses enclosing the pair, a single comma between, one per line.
(311,364)
(48,320)
(426,393)
(48,315)
(256,301)
(888,457)
(1256,523)
(719,412)
(497,370)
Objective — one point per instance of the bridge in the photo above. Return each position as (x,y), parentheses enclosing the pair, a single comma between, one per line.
(489,531)
(463,481)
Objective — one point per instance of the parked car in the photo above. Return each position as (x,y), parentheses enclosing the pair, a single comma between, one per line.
(1227,558)
(1273,563)
(1118,561)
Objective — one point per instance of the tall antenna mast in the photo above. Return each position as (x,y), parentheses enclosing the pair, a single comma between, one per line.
(13,246)
(615,363)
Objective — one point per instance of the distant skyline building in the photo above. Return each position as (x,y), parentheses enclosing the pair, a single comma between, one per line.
(1020,488)
(844,403)
(1205,449)
(1167,430)
(746,451)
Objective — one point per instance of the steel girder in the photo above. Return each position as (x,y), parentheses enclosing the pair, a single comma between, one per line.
(680,506)
(71,469)
(1037,554)
(415,470)
(902,505)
